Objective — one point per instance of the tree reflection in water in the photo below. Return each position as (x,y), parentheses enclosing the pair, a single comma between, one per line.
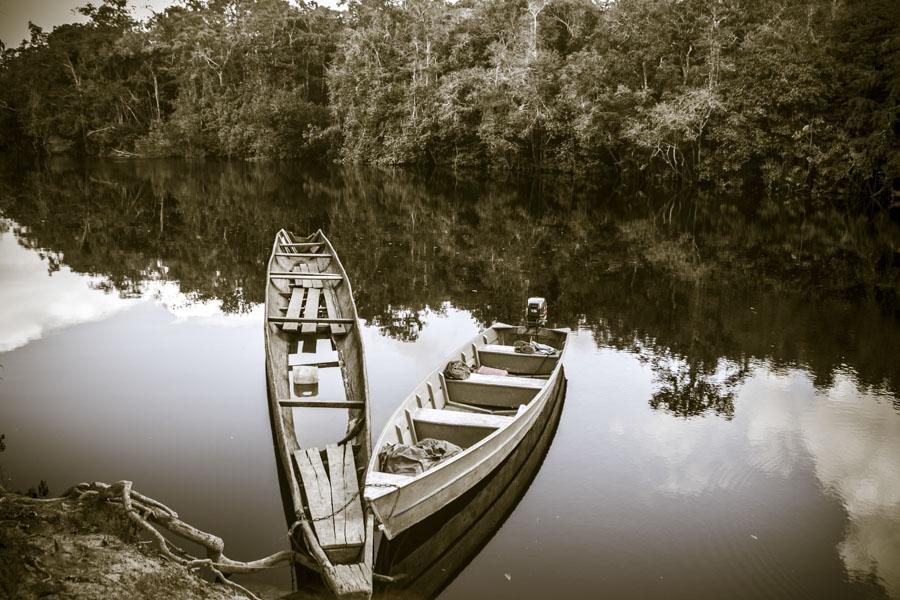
(698,285)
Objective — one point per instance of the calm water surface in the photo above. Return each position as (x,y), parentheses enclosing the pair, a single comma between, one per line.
(732,421)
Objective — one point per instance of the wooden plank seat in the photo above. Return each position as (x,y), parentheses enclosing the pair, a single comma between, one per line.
(333,309)
(505,357)
(461,428)
(311,310)
(304,255)
(332,497)
(306,277)
(322,361)
(319,403)
(379,483)
(294,306)
(493,390)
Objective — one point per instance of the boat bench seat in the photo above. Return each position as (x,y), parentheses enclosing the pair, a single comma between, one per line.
(461,428)
(379,483)
(505,381)
(498,356)
(494,390)
(511,350)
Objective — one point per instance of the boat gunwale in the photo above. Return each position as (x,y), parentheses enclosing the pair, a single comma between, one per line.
(549,384)
(364,436)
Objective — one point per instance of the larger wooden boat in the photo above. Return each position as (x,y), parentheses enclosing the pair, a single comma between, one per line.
(424,559)
(487,415)
(311,333)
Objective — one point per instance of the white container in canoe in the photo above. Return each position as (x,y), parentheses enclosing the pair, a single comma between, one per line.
(486,415)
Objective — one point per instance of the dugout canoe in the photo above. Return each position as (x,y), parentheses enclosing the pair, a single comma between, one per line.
(311,335)
(487,415)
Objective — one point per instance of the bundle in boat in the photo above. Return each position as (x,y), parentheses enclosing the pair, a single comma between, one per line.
(485,408)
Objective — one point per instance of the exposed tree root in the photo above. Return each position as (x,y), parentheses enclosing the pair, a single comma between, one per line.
(151,515)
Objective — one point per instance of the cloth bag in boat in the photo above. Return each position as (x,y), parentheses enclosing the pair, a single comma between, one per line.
(457,369)
(402,459)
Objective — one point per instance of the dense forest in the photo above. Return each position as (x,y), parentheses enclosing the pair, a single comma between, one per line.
(784,95)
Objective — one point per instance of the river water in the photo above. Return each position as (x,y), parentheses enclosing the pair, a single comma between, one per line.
(731,426)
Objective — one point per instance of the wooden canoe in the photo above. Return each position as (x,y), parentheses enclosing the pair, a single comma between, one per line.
(311,330)
(486,415)
(427,557)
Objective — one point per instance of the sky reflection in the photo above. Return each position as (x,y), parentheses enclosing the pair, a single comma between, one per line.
(793,477)
(38,298)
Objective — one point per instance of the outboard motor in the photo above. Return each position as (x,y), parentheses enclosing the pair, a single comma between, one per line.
(536,313)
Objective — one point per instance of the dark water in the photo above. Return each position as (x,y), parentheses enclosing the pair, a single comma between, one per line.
(732,421)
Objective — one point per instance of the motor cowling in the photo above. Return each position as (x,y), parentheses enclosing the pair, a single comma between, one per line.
(536,312)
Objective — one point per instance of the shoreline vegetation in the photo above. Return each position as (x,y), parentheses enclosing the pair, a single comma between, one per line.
(783,97)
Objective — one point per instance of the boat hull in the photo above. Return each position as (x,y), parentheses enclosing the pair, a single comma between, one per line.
(398,506)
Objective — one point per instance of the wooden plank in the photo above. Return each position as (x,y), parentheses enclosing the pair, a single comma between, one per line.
(331,306)
(318,493)
(368,550)
(506,381)
(318,403)
(457,418)
(322,320)
(310,277)
(314,270)
(431,395)
(412,426)
(494,390)
(306,282)
(335,456)
(312,309)
(461,428)
(298,360)
(303,255)
(293,309)
(300,244)
(355,528)
(349,583)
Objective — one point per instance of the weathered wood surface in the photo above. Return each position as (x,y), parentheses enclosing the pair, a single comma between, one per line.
(317,320)
(323,271)
(494,390)
(306,277)
(331,307)
(505,357)
(461,428)
(431,553)
(408,502)
(318,494)
(320,403)
(311,312)
(293,309)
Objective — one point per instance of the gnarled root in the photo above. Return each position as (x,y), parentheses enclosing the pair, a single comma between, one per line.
(151,516)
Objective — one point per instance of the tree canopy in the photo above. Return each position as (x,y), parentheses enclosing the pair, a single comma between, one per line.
(783,95)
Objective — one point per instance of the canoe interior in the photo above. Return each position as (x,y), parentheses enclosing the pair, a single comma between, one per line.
(432,553)
(315,361)
(487,401)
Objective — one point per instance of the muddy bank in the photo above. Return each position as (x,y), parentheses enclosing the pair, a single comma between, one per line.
(87,548)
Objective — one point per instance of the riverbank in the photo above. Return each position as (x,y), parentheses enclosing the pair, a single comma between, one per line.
(86,546)
(77,549)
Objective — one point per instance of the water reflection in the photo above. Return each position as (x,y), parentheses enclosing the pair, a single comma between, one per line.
(852,437)
(733,353)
